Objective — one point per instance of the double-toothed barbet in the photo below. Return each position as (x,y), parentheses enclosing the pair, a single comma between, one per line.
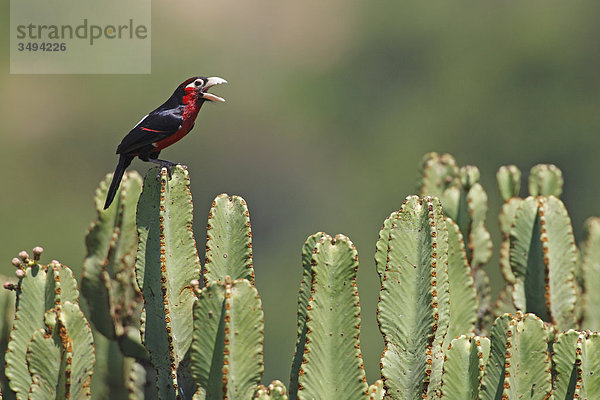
(163,127)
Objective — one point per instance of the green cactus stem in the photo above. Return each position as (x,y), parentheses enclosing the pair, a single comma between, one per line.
(414,301)
(463,199)
(506,219)
(463,297)
(438,173)
(463,367)
(167,262)
(545,180)
(227,345)
(303,298)
(509,181)
(543,259)
(519,364)
(51,350)
(590,271)
(228,241)
(108,278)
(275,391)
(376,390)
(332,365)
(527,362)
(7,315)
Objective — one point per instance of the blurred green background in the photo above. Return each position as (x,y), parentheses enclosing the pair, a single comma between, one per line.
(330,107)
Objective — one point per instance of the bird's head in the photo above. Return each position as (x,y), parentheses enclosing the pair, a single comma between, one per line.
(199,86)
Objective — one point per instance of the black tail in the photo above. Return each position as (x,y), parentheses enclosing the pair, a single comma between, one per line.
(124,161)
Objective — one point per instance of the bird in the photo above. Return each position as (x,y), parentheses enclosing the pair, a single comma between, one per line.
(162,127)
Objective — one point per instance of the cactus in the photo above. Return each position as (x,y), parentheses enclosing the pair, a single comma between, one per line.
(51,351)
(108,278)
(275,391)
(576,361)
(545,180)
(543,260)
(331,366)
(463,297)
(228,241)
(223,363)
(415,285)
(227,340)
(207,343)
(519,364)
(509,181)
(527,362)
(167,261)
(7,313)
(463,367)
(376,390)
(590,270)
(303,298)
(438,173)
(463,200)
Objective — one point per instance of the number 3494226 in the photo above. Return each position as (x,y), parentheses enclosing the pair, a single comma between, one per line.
(44,46)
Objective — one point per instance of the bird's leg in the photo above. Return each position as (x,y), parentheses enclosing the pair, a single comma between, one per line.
(152,156)
(164,164)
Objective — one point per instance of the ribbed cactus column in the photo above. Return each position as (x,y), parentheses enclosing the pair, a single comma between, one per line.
(413,312)
(108,278)
(518,366)
(543,258)
(227,344)
(465,359)
(509,183)
(576,365)
(591,274)
(545,180)
(227,358)
(228,241)
(51,350)
(463,297)
(464,201)
(303,298)
(167,262)
(330,365)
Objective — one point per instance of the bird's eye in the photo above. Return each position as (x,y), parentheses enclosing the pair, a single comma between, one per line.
(199,82)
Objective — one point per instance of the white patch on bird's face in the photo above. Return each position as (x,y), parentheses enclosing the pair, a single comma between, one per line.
(197,84)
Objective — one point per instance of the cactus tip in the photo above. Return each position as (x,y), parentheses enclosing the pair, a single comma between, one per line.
(10,286)
(20,273)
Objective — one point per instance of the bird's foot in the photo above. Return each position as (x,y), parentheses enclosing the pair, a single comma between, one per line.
(164,164)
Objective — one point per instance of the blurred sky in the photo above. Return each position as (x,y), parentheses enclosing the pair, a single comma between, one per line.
(330,108)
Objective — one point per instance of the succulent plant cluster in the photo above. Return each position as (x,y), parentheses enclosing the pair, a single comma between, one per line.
(166,326)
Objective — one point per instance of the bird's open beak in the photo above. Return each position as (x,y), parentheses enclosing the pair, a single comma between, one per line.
(212,81)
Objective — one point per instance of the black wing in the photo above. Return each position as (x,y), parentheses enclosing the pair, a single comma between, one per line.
(157,125)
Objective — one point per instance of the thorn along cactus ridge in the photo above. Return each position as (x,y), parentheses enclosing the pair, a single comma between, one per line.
(202,327)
